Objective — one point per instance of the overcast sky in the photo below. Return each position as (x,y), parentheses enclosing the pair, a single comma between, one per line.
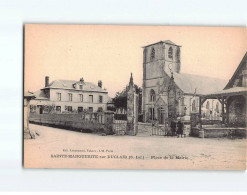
(111,53)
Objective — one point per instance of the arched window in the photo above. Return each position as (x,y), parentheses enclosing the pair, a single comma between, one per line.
(152,55)
(207,105)
(170,53)
(152,97)
(194,105)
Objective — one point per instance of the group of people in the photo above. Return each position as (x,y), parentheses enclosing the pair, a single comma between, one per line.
(176,128)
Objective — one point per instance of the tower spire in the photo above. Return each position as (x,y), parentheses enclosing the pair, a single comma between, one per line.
(131,83)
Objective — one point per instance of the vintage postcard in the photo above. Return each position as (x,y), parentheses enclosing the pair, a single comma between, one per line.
(134,97)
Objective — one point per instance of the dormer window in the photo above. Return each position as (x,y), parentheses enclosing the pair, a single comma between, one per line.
(80,87)
(152,55)
(170,53)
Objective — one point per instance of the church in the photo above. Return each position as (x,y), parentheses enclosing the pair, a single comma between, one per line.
(168,93)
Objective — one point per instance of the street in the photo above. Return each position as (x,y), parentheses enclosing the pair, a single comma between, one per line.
(58,148)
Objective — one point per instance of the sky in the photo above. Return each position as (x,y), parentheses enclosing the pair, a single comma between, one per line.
(111,52)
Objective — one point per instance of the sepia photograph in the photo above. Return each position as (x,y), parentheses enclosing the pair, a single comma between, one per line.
(134,97)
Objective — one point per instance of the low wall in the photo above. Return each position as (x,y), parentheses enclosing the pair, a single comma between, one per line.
(194,132)
(146,128)
(216,132)
(79,122)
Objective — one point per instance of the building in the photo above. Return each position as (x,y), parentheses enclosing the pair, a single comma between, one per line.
(233,97)
(27,133)
(61,96)
(168,93)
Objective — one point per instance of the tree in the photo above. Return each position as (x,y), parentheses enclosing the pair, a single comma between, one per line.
(120,100)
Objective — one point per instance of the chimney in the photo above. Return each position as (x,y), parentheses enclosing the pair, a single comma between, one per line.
(46,81)
(81,80)
(100,83)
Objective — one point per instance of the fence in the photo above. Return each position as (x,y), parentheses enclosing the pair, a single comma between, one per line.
(148,129)
(120,127)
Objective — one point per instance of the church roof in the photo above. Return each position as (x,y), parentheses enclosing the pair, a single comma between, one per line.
(170,42)
(68,84)
(166,41)
(197,84)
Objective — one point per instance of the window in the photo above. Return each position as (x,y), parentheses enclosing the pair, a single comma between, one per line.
(80,109)
(69,108)
(152,55)
(182,101)
(70,97)
(81,87)
(217,107)
(178,54)
(207,105)
(100,109)
(100,99)
(81,97)
(59,96)
(91,98)
(90,109)
(32,108)
(170,53)
(151,114)
(152,97)
(58,108)
(194,106)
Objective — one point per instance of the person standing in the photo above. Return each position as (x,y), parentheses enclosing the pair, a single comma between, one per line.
(173,127)
(180,126)
(166,128)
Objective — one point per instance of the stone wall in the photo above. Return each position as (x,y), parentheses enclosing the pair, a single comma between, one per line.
(90,122)
(215,132)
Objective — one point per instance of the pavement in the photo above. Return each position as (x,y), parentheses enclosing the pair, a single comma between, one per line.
(59,148)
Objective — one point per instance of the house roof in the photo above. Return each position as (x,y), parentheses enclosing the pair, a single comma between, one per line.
(242,63)
(29,94)
(40,95)
(68,84)
(203,85)
(230,91)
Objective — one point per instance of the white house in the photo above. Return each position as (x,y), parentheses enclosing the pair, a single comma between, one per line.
(70,96)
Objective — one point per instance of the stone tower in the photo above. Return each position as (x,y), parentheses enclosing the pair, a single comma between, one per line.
(158,58)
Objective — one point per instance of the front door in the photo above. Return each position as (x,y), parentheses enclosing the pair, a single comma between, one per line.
(161,115)
(41,109)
